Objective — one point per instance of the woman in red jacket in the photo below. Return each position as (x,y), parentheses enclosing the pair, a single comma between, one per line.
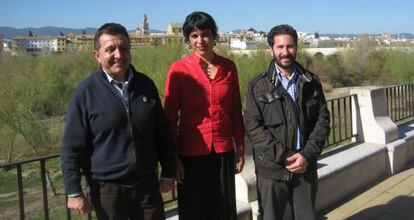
(202,103)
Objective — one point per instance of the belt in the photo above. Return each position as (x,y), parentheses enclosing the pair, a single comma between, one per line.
(126,182)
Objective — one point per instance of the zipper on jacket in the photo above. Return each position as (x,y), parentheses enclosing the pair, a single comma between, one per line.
(131,132)
(131,145)
(288,113)
(285,112)
(294,108)
(126,106)
(300,110)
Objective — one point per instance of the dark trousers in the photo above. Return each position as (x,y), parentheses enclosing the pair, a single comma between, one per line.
(293,200)
(138,201)
(208,192)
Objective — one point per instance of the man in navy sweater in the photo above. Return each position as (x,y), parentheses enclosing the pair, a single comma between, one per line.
(115,135)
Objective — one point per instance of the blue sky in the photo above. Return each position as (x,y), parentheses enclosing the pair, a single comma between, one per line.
(325,16)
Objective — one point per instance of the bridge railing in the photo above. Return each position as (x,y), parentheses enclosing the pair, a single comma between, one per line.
(400,101)
(169,198)
(342,129)
(19,177)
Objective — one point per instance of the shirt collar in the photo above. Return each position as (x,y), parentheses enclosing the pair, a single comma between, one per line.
(110,79)
(283,78)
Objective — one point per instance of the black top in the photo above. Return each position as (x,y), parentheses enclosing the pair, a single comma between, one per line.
(109,141)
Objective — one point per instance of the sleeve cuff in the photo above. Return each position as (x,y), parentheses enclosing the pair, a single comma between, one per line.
(76,194)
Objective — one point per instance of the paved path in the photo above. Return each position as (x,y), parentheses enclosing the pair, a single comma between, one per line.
(391,199)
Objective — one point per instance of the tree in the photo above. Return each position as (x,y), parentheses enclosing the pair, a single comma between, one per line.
(18,98)
(335,69)
(316,35)
(364,45)
(30,34)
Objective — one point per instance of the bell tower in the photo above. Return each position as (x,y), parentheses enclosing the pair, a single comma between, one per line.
(144,29)
(145,26)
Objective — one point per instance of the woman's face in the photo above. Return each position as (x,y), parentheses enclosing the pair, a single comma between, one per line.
(201,41)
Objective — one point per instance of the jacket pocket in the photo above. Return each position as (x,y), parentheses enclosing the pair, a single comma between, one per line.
(271,105)
(270,156)
(312,105)
(267,96)
(264,156)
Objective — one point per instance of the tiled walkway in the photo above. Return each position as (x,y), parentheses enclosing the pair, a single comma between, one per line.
(391,199)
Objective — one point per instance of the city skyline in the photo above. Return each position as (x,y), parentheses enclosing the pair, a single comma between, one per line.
(346,17)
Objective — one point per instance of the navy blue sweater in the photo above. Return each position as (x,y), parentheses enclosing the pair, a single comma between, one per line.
(106,141)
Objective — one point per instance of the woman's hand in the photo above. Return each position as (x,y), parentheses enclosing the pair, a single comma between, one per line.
(166,185)
(238,161)
(179,175)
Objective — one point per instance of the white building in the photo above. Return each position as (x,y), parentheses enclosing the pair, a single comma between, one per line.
(7,44)
(242,44)
(39,43)
(1,42)
(303,35)
(174,29)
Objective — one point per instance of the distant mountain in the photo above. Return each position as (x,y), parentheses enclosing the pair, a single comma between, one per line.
(405,35)
(10,32)
(240,30)
(237,31)
(155,31)
(338,35)
(401,35)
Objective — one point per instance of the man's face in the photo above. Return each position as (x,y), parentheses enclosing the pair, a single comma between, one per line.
(284,51)
(114,54)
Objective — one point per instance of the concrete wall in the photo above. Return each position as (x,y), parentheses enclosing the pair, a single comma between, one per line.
(324,51)
(345,173)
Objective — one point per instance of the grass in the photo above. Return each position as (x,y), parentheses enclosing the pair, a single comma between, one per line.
(8,181)
(32,192)
(34,204)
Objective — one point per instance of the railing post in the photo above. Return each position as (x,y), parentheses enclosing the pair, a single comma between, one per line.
(333,119)
(373,124)
(18,166)
(356,120)
(68,214)
(20,189)
(44,189)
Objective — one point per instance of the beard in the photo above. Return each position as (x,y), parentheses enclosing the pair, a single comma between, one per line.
(285,65)
(278,60)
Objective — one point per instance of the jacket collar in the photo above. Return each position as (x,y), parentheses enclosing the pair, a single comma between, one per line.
(300,70)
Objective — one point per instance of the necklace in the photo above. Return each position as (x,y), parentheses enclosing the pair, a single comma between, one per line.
(209,69)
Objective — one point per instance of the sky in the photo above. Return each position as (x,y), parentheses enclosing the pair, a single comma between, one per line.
(324,16)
